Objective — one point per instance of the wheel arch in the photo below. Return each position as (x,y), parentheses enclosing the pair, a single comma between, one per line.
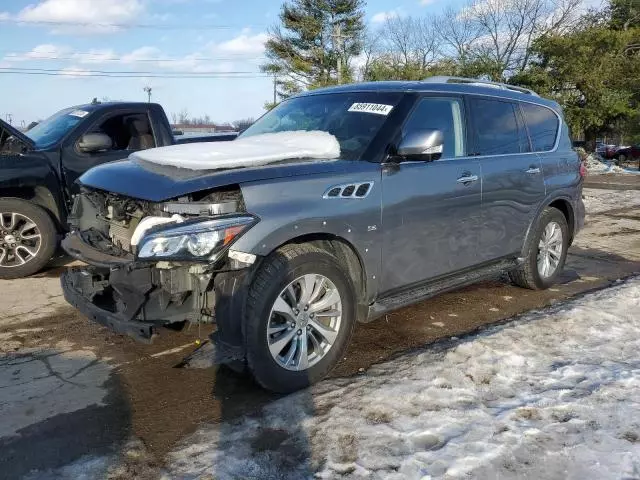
(38,195)
(561,203)
(566,208)
(344,250)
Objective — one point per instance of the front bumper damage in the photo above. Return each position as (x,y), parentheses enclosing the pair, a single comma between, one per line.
(138,299)
(81,285)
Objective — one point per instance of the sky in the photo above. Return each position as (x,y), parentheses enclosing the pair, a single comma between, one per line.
(70,51)
(160,37)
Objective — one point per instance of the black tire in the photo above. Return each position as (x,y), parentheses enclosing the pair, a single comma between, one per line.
(48,232)
(527,275)
(278,270)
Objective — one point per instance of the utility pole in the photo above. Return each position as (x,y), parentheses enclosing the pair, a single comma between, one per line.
(337,35)
(275,91)
(148,90)
(338,45)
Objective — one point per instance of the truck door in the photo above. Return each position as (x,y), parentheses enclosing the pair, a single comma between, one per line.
(128,130)
(431,209)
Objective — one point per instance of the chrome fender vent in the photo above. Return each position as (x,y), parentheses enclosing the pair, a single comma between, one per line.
(349,190)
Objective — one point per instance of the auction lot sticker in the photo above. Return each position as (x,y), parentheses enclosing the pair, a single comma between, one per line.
(377,108)
(79,113)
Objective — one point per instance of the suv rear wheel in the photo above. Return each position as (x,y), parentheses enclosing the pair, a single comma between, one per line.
(545,252)
(27,238)
(300,317)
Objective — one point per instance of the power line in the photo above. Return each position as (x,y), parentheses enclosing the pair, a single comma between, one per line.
(126,25)
(126,72)
(83,74)
(95,57)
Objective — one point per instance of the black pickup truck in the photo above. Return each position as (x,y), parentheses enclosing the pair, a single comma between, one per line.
(38,170)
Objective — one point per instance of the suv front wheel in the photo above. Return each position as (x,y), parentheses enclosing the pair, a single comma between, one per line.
(545,252)
(300,317)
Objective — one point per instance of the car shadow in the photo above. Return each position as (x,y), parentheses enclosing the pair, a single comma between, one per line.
(57,407)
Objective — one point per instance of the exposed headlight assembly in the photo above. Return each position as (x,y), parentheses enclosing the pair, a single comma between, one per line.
(200,241)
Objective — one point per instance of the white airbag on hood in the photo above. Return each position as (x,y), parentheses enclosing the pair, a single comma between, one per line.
(245,152)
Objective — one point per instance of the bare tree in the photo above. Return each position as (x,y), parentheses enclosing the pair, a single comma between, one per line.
(411,40)
(243,123)
(491,38)
(507,28)
(404,48)
(457,34)
(371,49)
(183,116)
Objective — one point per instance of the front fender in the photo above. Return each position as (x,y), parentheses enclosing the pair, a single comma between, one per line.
(293,208)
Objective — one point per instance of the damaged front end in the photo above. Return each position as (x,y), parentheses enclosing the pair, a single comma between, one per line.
(155,264)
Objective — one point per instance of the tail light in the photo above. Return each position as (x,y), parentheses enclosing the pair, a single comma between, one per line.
(583,169)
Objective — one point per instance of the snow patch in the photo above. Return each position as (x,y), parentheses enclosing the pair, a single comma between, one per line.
(597,165)
(250,151)
(552,395)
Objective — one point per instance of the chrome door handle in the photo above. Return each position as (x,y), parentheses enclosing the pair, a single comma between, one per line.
(533,170)
(468,179)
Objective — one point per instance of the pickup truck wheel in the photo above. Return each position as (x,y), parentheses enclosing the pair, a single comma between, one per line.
(27,238)
(300,316)
(545,252)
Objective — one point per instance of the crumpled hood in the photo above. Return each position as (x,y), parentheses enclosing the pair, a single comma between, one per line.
(156,183)
(248,151)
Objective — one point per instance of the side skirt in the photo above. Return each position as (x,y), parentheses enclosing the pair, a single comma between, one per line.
(434,287)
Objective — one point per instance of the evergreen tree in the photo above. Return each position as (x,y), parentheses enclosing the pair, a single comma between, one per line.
(625,14)
(313,44)
(593,72)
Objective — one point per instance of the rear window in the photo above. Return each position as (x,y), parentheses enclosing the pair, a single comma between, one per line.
(543,126)
(496,128)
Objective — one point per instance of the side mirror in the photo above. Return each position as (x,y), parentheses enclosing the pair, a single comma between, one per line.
(94,142)
(421,145)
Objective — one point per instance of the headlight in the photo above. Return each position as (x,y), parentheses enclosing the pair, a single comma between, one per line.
(203,240)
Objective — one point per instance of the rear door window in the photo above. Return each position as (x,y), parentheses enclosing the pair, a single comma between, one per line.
(543,125)
(444,114)
(496,130)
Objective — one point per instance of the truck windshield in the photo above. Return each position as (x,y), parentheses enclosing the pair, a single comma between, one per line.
(50,131)
(354,118)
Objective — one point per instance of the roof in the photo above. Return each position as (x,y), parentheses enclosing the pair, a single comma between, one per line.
(435,85)
(90,107)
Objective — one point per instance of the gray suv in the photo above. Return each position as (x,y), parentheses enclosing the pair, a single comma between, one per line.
(337,206)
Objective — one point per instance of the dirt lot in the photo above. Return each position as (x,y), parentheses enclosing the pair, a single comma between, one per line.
(69,389)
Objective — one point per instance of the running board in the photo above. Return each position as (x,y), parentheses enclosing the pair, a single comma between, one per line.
(408,297)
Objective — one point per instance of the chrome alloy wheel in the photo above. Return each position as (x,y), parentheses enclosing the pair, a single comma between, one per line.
(20,239)
(550,250)
(304,322)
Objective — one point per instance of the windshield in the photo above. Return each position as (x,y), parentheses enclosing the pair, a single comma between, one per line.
(354,118)
(51,130)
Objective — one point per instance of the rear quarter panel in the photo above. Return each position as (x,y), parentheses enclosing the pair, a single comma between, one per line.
(561,169)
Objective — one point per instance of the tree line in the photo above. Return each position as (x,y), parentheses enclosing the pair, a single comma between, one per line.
(183,118)
(586,59)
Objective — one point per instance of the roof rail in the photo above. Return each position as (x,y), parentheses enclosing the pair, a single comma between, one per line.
(481,83)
